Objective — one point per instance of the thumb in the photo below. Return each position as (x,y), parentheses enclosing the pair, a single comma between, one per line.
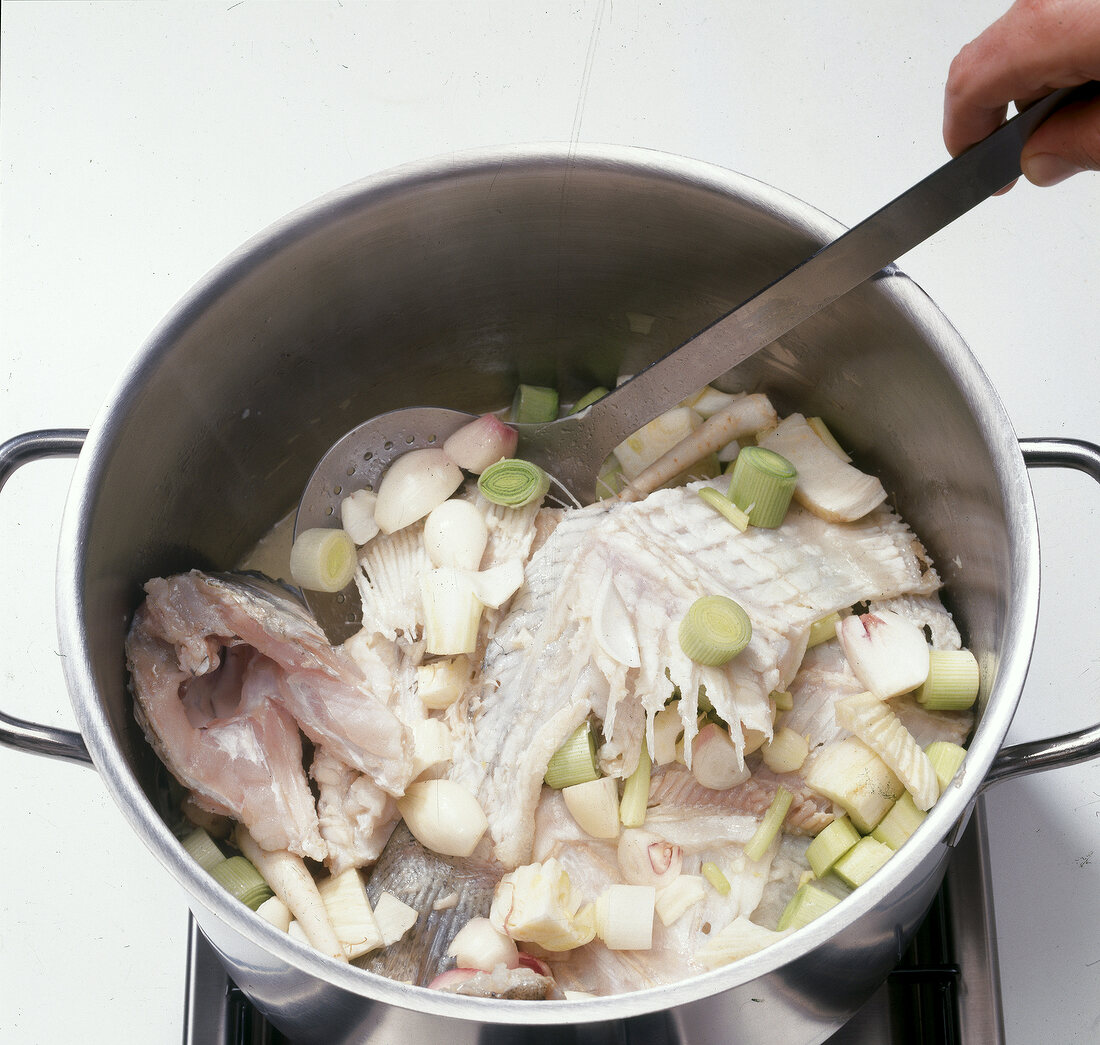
(1064,145)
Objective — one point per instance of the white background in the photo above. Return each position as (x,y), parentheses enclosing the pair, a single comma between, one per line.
(141,142)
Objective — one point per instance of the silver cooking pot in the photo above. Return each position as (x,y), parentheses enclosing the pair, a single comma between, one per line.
(446,283)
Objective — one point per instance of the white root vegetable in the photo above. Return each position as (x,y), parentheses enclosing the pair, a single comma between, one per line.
(647,859)
(345,900)
(357,516)
(624,917)
(887,652)
(852,775)
(394,918)
(455,534)
(433,746)
(739,939)
(478,945)
(452,611)
(292,883)
(276,912)
(666,431)
(667,727)
(443,816)
(481,443)
(440,683)
(714,761)
(413,485)
(744,416)
(786,751)
(827,486)
(537,903)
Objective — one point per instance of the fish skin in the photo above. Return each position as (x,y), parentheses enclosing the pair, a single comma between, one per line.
(542,676)
(418,877)
(191,633)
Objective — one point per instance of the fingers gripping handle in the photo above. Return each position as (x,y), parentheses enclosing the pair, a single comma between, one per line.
(1070,748)
(16,732)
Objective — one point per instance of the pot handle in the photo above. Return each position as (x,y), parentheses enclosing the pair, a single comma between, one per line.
(1070,748)
(16,732)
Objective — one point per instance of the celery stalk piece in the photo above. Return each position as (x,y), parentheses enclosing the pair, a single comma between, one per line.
(202,849)
(632,809)
(896,826)
(713,874)
(808,903)
(952,682)
(830,845)
(770,825)
(239,877)
(946,759)
(575,761)
(534,404)
(725,507)
(586,400)
(862,861)
(823,630)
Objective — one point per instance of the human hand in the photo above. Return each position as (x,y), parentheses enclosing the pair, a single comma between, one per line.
(1035,47)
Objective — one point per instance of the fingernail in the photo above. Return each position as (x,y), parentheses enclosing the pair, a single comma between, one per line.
(1047,169)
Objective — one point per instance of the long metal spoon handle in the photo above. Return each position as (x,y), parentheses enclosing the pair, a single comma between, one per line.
(847,261)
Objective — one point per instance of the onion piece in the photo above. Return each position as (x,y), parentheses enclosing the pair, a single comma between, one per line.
(452,611)
(357,515)
(887,652)
(496,585)
(714,761)
(594,805)
(478,945)
(413,485)
(443,816)
(441,682)
(612,626)
(455,534)
(647,859)
(480,443)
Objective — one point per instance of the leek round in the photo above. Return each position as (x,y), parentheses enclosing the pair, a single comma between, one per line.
(714,630)
(323,560)
(762,485)
(513,483)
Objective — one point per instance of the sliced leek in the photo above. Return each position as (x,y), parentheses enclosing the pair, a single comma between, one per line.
(952,682)
(575,761)
(713,874)
(632,808)
(762,485)
(786,751)
(897,825)
(202,849)
(725,507)
(513,483)
(823,630)
(946,759)
(241,879)
(534,404)
(830,845)
(808,903)
(323,560)
(714,630)
(821,430)
(588,399)
(770,825)
(862,861)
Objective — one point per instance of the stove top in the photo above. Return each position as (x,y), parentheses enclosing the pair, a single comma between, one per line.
(945,990)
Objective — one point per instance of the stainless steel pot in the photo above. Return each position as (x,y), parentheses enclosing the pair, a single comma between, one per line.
(446,283)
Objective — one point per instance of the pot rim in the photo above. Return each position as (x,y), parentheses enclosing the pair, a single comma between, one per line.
(1011,667)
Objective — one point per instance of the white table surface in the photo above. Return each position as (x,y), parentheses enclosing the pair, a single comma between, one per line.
(140,143)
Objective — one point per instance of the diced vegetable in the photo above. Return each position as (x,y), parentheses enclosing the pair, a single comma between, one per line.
(713,874)
(714,630)
(783,700)
(896,826)
(762,485)
(413,485)
(202,849)
(357,516)
(883,732)
(537,903)
(443,816)
(534,404)
(242,881)
(635,801)
(595,806)
(323,560)
(674,899)
(714,761)
(624,917)
(513,483)
(862,861)
(946,759)
(345,899)
(480,945)
(827,486)
(394,918)
(770,826)
(452,611)
(887,652)
(478,444)
(647,859)
(455,534)
(725,507)
(808,903)
(575,761)
(588,399)
(852,775)
(786,751)
(952,682)
(439,683)
(823,630)
(831,843)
